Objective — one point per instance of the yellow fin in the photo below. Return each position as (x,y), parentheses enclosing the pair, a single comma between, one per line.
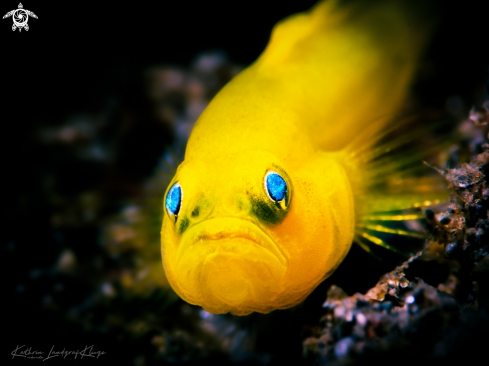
(359,239)
(392,186)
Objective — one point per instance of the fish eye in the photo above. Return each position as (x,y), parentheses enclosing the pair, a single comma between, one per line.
(173,201)
(276,188)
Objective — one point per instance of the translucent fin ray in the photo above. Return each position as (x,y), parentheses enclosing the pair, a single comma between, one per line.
(359,236)
(388,230)
(392,217)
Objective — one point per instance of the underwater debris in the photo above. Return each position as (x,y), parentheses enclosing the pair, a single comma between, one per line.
(411,317)
(428,326)
(408,317)
(463,228)
(464,225)
(392,282)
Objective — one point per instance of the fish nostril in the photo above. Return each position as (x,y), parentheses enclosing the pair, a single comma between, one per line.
(195,212)
(237,205)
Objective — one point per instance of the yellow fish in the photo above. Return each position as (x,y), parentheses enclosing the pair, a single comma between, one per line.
(264,206)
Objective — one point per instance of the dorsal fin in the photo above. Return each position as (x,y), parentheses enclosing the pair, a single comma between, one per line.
(351,65)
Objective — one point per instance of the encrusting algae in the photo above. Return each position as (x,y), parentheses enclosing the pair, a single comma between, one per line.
(279,168)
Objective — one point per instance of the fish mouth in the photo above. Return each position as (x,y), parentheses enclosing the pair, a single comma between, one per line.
(218,231)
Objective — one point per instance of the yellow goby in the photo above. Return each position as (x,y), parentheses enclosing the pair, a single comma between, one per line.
(263,207)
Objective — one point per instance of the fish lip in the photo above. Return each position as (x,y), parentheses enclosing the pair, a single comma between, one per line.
(228,228)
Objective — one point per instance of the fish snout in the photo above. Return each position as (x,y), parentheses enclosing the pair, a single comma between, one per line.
(235,205)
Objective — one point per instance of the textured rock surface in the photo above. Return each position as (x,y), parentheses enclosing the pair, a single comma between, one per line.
(405,319)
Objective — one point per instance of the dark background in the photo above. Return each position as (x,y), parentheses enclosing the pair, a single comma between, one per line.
(79,54)
(94,45)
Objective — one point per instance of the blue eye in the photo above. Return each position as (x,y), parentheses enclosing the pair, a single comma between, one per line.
(276,186)
(173,200)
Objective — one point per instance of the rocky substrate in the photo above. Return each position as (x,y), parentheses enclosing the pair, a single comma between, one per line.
(405,320)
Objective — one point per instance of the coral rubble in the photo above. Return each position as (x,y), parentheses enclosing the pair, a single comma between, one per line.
(406,319)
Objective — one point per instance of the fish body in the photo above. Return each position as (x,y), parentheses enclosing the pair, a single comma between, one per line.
(263,207)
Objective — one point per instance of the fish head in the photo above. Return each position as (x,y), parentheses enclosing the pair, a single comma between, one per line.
(248,232)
